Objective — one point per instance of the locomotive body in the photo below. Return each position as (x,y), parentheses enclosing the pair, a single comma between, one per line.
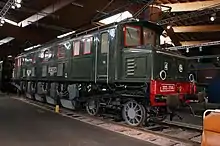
(120,67)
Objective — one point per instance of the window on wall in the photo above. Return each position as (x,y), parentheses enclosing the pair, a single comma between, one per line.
(149,36)
(132,36)
(87,45)
(104,42)
(76,48)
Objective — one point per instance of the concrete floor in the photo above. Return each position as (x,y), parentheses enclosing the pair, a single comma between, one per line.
(25,125)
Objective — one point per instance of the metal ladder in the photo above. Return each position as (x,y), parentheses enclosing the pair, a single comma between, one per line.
(5,9)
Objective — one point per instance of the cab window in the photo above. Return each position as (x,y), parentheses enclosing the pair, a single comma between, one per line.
(132,36)
(148,36)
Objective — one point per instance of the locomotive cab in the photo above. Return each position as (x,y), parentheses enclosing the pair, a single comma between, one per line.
(144,60)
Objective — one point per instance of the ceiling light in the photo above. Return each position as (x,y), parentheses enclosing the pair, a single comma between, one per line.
(2,21)
(116,18)
(212,18)
(6,40)
(13,6)
(30,48)
(169,27)
(18,1)
(66,34)
(9,56)
(18,5)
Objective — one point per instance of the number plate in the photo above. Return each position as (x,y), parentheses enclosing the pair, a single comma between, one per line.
(167,87)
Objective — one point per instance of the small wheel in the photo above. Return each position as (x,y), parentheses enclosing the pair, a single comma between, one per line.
(133,113)
(92,107)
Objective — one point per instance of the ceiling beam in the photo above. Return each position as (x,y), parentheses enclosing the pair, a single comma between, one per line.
(24,34)
(11,48)
(47,11)
(28,10)
(196,28)
(189,43)
(191,6)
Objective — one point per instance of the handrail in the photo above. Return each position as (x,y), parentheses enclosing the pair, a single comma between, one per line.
(213,43)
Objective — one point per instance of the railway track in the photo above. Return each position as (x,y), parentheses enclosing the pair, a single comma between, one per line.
(159,133)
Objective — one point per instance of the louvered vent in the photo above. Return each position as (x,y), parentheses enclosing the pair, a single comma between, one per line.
(130,66)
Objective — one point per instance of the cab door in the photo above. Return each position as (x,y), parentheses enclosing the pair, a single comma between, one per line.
(102,60)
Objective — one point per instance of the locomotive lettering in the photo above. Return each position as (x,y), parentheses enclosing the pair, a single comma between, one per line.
(167,88)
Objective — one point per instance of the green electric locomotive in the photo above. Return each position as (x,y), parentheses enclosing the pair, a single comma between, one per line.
(119,67)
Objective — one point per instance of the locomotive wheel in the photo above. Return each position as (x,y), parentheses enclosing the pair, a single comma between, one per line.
(93,107)
(133,113)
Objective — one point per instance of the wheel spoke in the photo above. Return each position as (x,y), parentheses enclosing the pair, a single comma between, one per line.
(136,119)
(138,110)
(135,106)
(132,105)
(137,115)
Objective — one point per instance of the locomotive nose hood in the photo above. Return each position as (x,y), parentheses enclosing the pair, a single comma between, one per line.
(170,66)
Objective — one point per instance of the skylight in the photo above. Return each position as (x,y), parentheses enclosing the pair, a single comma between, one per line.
(6,40)
(116,18)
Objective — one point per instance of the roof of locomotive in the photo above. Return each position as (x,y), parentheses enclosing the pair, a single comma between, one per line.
(157,28)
